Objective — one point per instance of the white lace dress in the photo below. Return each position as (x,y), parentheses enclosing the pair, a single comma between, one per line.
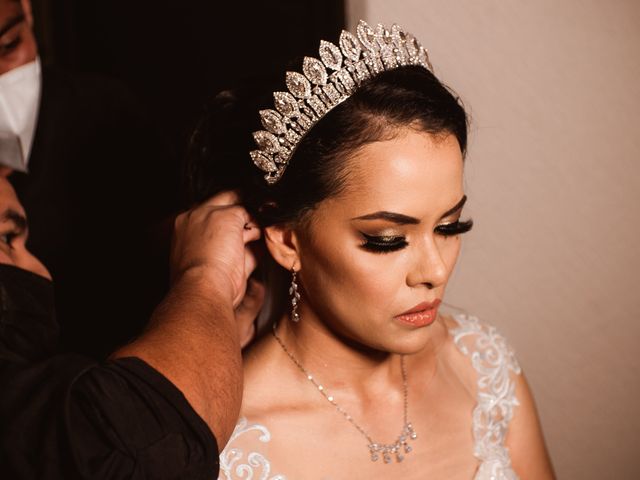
(495,363)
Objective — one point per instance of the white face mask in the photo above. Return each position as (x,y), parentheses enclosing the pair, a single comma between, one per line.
(19,99)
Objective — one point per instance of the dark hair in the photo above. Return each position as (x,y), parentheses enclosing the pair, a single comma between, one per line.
(219,158)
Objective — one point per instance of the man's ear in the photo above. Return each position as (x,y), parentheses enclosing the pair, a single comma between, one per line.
(283,245)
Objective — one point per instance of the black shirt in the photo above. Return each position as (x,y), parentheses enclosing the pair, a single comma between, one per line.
(63,416)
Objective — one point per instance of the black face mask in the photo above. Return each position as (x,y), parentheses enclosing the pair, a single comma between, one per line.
(28,329)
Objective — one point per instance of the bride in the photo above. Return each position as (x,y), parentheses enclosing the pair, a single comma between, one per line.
(357,184)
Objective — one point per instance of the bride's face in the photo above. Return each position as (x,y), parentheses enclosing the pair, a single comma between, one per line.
(387,244)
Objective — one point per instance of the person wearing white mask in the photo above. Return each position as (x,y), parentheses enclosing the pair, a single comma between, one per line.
(90,168)
(20,84)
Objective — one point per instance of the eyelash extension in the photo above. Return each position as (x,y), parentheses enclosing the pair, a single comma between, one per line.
(386,244)
(383,244)
(454,228)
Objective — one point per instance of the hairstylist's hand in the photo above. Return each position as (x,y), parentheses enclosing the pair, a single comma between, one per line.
(210,242)
(248,310)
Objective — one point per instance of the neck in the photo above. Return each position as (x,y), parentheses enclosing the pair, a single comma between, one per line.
(341,362)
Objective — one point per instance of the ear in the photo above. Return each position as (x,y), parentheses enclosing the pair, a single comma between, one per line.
(283,245)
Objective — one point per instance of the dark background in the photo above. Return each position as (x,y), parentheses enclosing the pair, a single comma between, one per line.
(175,54)
(172,56)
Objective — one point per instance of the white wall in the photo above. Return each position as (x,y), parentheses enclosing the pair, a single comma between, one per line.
(553,178)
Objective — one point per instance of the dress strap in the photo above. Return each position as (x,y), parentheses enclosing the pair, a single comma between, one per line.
(495,361)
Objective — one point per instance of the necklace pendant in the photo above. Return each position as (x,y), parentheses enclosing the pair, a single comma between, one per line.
(412,433)
(398,449)
(373,451)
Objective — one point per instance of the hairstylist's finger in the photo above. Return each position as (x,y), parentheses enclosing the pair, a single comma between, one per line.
(251,232)
(223,199)
(250,262)
(248,335)
(249,309)
(236,214)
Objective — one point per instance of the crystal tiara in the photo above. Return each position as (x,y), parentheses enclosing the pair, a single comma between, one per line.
(325,84)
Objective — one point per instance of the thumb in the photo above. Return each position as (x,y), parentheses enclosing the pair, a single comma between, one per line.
(248,310)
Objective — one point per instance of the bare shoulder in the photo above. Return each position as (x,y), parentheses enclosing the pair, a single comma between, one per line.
(525,440)
(264,381)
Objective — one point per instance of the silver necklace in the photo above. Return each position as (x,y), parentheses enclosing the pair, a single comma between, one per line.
(400,447)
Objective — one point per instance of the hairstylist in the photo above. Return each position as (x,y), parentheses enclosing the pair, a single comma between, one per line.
(161,406)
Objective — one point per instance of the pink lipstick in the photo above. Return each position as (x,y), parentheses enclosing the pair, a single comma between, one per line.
(421,315)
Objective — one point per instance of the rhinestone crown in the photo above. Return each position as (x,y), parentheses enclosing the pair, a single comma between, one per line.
(325,84)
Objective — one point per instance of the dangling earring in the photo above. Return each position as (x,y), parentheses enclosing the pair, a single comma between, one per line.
(295,297)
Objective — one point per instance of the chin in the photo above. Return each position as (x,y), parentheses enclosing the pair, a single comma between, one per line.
(411,345)
(404,342)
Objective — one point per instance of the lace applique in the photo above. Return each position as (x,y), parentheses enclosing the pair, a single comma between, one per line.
(494,361)
(256,467)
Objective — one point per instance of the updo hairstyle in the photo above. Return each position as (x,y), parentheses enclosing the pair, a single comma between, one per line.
(218,156)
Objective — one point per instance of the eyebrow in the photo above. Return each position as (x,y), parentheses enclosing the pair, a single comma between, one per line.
(400,219)
(456,208)
(12,22)
(18,219)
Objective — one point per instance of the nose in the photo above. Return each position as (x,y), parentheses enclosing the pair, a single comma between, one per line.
(429,268)
(34,265)
(24,259)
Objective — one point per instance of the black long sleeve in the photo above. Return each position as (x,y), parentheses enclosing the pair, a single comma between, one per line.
(63,416)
